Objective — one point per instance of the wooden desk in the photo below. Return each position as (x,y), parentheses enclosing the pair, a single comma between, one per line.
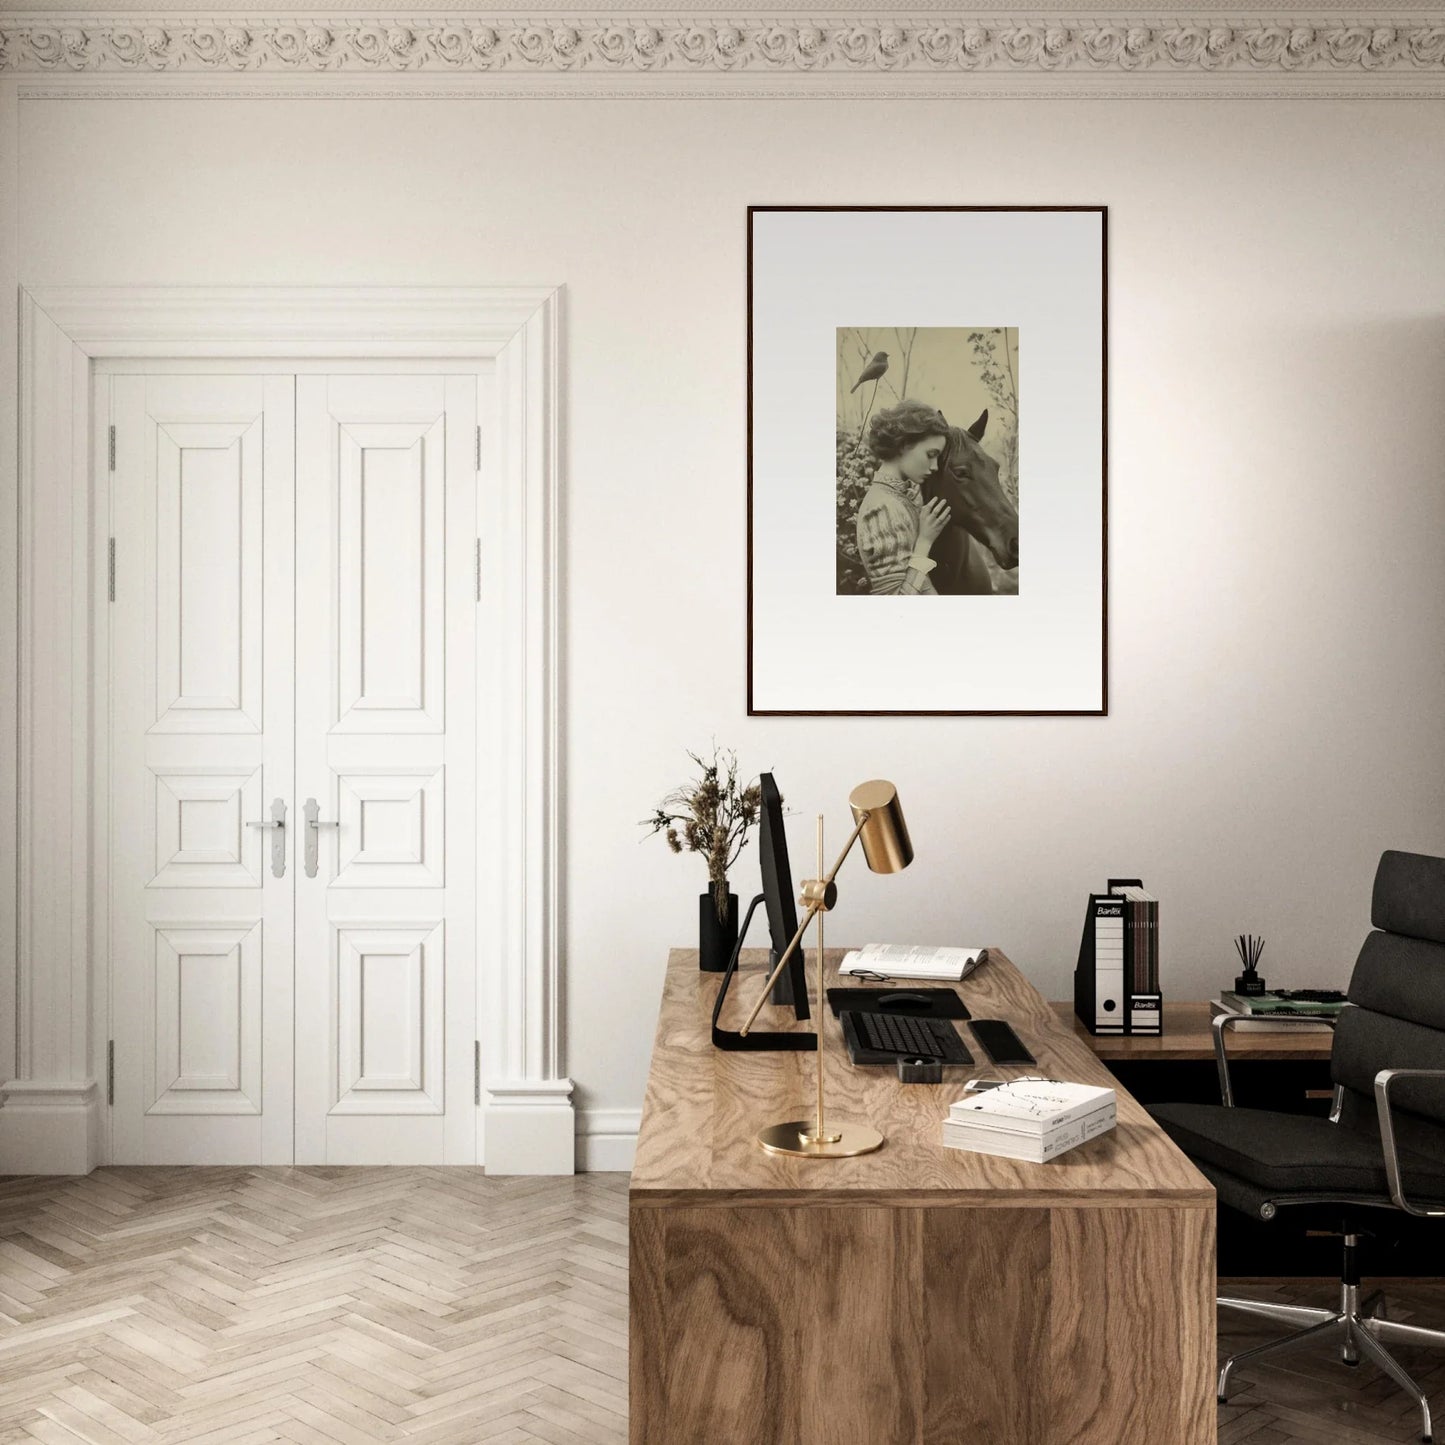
(918,1294)
(1187,1037)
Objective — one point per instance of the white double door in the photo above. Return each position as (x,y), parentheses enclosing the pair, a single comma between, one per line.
(292,767)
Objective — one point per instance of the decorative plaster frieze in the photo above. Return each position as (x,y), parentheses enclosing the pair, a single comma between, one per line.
(435,46)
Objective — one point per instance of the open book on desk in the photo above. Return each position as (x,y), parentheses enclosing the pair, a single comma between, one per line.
(906,960)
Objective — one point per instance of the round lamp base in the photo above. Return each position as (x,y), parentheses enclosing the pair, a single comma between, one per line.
(843,1141)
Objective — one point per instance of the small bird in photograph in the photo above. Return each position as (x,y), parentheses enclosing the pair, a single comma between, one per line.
(872,371)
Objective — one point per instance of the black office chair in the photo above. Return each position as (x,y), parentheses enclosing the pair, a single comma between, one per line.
(1381,1151)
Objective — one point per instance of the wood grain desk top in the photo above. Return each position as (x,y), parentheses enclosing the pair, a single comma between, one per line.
(704,1106)
(1188,1036)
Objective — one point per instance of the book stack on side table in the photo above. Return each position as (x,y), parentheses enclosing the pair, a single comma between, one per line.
(1262,1011)
(1033,1119)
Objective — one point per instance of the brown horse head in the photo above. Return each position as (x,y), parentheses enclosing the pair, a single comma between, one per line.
(967,478)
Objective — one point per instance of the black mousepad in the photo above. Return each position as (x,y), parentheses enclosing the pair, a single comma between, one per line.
(938,1003)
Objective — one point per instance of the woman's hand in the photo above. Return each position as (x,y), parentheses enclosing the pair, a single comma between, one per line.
(934,519)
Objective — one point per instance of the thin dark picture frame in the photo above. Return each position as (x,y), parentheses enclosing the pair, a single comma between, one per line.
(1103,709)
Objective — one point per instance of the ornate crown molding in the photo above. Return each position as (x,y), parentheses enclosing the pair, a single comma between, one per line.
(436,46)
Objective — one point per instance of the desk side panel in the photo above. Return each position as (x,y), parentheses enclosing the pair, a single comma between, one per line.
(776,1326)
(986,1285)
(855,1325)
(646,1321)
(1133,1316)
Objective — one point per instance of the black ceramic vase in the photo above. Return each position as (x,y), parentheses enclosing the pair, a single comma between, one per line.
(716,938)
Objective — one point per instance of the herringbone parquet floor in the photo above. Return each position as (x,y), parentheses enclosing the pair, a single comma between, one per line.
(1310,1396)
(324,1306)
(347,1306)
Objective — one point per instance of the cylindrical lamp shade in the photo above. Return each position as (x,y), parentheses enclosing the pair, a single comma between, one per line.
(886,844)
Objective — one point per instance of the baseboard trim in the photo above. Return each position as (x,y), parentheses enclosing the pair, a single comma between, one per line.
(49,1128)
(530,1127)
(607,1140)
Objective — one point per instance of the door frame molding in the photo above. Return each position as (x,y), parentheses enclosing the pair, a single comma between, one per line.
(51,1119)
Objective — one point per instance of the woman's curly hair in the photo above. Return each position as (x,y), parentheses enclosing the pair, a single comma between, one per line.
(896,428)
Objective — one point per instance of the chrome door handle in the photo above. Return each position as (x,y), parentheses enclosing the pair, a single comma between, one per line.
(276,821)
(314,825)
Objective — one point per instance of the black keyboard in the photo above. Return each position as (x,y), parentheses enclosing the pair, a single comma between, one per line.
(882,1038)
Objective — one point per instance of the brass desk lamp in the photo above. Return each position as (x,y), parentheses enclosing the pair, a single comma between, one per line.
(878,821)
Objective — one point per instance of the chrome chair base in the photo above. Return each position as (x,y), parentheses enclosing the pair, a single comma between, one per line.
(1360,1327)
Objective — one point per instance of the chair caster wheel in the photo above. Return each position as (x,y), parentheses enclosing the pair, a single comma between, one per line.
(1221,1399)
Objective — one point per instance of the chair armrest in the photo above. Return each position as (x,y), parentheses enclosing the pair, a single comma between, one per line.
(1383,1080)
(1221,1023)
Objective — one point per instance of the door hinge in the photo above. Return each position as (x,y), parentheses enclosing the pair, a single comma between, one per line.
(110,569)
(110,1072)
(477,1071)
(112,448)
(479,569)
(479,448)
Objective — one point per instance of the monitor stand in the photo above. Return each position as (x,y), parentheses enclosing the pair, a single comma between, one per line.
(783,991)
(756,1040)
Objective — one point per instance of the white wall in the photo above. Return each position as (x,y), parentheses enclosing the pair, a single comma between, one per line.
(1277,581)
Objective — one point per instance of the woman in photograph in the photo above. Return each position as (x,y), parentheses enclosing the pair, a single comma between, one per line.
(896,527)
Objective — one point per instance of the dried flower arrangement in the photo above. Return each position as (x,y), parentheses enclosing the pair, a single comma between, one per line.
(710,816)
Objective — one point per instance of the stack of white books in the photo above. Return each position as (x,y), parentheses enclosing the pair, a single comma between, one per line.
(907,960)
(1033,1119)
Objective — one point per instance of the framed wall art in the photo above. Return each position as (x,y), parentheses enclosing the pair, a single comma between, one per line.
(927,460)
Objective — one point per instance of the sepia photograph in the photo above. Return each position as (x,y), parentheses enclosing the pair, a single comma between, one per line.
(927,452)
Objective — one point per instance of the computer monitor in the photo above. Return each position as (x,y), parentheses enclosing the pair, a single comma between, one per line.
(791,988)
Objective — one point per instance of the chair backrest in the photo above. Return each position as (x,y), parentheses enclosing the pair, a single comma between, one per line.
(1398,989)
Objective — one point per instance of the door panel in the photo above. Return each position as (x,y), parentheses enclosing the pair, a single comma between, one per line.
(389,1019)
(209,560)
(391,574)
(385,741)
(201,676)
(393,822)
(201,837)
(206,1055)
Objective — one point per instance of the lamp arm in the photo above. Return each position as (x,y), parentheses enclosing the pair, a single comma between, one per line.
(813,910)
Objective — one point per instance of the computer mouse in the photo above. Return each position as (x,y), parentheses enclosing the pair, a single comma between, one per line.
(903,1000)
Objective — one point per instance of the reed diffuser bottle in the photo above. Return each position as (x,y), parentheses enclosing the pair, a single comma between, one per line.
(1249,948)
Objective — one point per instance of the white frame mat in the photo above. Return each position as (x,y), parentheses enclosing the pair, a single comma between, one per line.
(813,270)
